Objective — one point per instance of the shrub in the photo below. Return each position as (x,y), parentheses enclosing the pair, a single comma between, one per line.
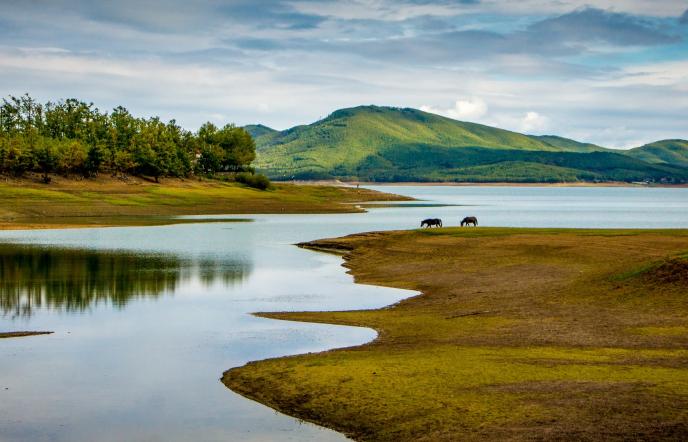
(257,180)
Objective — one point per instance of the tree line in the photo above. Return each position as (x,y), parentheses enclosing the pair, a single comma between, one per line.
(73,137)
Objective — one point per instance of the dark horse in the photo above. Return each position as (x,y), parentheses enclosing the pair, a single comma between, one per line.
(469,220)
(431,222)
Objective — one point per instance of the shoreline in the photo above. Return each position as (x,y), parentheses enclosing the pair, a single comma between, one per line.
(20,334)
(110,202)
(335,388)
(506,184)
(484,184)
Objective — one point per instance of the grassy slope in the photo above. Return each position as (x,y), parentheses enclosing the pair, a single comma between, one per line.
(519,334)
(665,151)
(388,144)
(112,202)
(259,130)
(570,145)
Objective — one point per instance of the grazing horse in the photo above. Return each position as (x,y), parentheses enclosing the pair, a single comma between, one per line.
(469,220)
(431,222)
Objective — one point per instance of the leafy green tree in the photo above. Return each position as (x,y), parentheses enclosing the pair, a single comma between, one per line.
(238,146)
(46,156)
(71,156)
(93,161)
(123,162)
(210,159)
(72,136)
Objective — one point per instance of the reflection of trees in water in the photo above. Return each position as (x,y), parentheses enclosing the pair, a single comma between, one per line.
(72,280)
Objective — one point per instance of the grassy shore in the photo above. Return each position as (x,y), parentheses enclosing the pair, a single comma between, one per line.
(28,203)
(519,334)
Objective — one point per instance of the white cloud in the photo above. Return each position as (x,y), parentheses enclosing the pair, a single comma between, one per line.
(377,9)
(395,10)
(656,8)
(471,109)
(534,122)
(672,73)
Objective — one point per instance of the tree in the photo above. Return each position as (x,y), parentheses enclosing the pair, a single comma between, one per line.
(71,156)
(46,154)
(238,146)
(210,159)
(70,136)
(94,159)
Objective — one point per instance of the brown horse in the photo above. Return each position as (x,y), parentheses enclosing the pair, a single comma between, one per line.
(431,222)
(469,220)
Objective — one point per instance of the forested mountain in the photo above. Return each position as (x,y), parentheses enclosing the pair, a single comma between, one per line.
(663,152)
(391,144)
(74,137)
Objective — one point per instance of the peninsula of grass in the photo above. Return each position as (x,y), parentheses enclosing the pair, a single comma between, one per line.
(28,203)
(517,334)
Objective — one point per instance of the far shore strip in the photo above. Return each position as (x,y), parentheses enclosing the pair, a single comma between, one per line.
(19,334)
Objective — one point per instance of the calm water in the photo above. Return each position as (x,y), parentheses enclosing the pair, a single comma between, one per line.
(146,319)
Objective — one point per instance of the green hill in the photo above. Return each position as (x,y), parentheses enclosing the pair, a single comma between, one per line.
(375,143)
(663,152)
(570,145)
(258,130)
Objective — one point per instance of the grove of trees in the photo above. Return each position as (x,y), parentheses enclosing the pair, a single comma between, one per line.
(73,137)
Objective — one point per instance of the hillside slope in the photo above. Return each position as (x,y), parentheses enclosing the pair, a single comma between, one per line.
(375,143)
(570,145)
(663,152)
(258,130)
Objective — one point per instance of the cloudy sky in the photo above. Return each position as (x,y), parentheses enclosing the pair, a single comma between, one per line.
(612,72)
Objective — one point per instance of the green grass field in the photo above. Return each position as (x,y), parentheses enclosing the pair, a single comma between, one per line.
(29,204)
(519,334)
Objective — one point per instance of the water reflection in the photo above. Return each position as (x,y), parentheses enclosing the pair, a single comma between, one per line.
(74,280)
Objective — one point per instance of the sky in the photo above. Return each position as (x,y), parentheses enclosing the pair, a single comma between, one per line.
(610,72)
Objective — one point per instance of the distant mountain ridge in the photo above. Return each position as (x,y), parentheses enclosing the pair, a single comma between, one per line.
(375,143)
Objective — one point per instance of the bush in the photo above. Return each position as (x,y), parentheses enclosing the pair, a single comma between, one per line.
(257,180)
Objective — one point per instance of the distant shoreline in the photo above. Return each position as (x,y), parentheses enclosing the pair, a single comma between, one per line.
(490,184)
(21,334)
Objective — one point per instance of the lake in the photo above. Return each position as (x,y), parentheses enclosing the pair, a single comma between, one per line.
(146,319)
